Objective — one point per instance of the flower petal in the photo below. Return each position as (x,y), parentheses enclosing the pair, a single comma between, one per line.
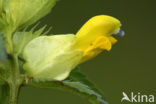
(100,44)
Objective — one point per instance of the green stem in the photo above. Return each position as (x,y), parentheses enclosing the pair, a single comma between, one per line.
(14,90)
(15,70)
(15,81)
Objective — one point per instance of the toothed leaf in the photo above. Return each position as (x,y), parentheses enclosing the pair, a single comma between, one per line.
(75,87)
(76,75)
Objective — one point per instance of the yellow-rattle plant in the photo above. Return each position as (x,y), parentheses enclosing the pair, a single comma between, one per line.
(49,61)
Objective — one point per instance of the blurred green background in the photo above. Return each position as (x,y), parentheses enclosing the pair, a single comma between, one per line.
(129,66)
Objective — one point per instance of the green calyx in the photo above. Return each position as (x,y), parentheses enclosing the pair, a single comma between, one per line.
(51,57)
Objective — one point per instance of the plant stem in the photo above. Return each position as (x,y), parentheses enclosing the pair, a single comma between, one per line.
(14,89)
(15,81)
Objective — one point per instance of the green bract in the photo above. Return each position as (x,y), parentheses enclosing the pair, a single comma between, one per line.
(21,39)
(15,13)
(51,57)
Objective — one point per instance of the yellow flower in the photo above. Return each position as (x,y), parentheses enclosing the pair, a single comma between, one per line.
(96,36)
(53,57)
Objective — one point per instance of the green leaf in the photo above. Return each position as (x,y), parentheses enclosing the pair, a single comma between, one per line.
(3,54)
(73,87)
(76,75)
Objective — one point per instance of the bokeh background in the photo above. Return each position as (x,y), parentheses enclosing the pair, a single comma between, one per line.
(130,66)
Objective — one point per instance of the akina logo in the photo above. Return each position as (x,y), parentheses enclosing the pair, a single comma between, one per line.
(137,97)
